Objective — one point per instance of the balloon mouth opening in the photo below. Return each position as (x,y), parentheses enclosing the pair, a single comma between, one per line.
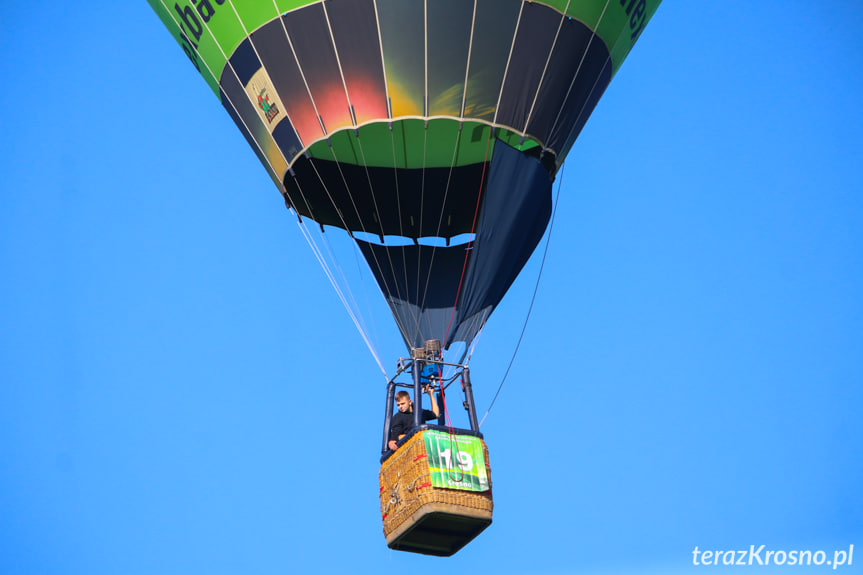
(431,241)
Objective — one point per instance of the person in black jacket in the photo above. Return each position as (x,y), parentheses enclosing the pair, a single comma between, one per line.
(403,420)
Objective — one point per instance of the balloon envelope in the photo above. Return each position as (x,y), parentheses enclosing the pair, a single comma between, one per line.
(430,130)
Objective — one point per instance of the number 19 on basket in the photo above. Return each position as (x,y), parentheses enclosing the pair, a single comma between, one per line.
(456,461)
(465,461)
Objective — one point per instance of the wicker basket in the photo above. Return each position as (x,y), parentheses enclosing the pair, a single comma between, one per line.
(419,517)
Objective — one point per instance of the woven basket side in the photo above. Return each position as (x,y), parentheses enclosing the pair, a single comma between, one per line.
(405,487)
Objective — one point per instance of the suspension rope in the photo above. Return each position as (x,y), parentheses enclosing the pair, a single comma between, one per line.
(554,126)
(578,71)
(274,173)
(401,221)
(440,219)
(478,319)
(508,60)
(358,322)
(422,214)
(361,275)
(453,439)
(532,299)
(363,226)
(356,211)
(356,317)
(450,429)
(340,294)
(331,276)
(545,69)
(467,250)
(346,295)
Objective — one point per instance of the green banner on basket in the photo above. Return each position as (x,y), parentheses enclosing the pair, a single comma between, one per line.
(456,461)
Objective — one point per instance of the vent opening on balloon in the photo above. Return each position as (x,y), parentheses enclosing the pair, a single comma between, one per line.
(437,242)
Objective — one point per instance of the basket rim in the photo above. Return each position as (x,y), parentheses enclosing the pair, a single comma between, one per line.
(429,427)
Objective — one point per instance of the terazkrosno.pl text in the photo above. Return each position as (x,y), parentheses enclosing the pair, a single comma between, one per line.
(760,555)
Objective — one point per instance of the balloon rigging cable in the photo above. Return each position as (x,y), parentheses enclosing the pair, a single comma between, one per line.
(472,230)
(348,299)
(306,232)
(532,299)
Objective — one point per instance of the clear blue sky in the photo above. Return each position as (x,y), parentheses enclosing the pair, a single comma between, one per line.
(181,391)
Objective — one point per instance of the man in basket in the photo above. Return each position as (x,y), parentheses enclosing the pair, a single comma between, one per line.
(403,420)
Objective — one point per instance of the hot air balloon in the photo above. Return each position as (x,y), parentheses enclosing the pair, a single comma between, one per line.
(431,132)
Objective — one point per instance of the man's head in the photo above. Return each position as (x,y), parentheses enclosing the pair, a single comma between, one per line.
(403,402)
